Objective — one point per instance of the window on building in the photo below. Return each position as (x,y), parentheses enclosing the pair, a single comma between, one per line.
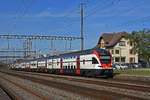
(131,51)
(131,44)
(117,51)
(122,43)
(132,59)
(94,60)
(117,59)
(123,59)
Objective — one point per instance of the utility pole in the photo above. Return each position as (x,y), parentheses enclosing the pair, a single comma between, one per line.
(52,47)
(70,44)
(82,39)
(35,47)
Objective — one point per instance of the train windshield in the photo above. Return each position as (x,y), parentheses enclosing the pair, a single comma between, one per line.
(105,59)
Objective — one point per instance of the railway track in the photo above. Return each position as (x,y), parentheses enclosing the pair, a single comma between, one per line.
(130,86)
(124,81)
(10,94)
(14,96)
(94,93)
(66,87)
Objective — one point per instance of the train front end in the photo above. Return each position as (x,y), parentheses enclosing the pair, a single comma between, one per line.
(104,59)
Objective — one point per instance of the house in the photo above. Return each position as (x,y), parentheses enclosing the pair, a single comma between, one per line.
(119,47)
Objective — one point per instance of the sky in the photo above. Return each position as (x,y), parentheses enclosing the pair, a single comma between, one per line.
(62,18)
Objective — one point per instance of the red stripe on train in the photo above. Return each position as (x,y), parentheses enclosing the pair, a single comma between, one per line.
(61,65)
(45,65)
(78,65)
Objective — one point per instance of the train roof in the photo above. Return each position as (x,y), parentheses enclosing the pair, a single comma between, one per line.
(83,52)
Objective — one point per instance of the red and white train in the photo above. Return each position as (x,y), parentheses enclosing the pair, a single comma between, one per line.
(91,62)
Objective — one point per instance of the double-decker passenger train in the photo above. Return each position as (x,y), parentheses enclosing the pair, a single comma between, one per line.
(91,62)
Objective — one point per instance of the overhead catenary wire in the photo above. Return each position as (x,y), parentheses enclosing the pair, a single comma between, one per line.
(70,24)
(124,12)
(66,15)
(136,22)
(25,9)
(96,9)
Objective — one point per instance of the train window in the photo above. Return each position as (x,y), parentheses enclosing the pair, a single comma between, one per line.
(68,67)
(83,61)
(94,60)
(49,63)
(71,67)
(105,59)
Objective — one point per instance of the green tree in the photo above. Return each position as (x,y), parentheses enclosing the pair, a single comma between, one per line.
(141,41)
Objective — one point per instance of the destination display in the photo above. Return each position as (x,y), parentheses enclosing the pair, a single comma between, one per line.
(105,57)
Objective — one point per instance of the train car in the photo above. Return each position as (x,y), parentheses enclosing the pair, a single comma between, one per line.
(33,65)
(92,62)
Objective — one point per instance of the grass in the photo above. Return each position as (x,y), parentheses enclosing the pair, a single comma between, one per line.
(135,72)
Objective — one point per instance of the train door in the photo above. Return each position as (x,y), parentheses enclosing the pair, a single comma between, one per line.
(61,65)
(45,65)
(37,67)
(78,65)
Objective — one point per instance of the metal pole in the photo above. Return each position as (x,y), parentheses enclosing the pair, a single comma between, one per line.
(52,46)
(70,44)
(82,39)
(66,45)
(35,46)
